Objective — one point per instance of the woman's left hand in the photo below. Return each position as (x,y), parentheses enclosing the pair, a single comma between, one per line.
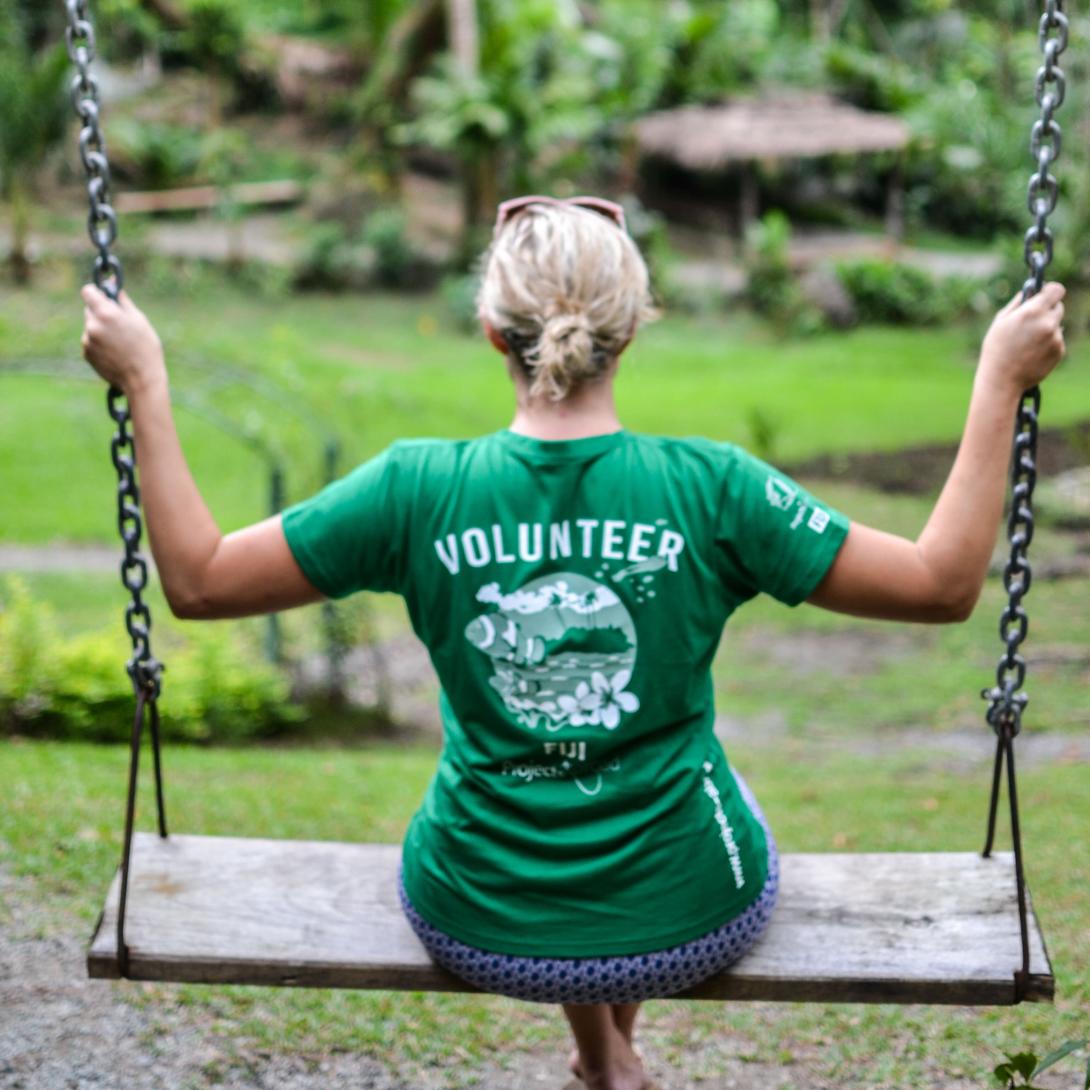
(119,342)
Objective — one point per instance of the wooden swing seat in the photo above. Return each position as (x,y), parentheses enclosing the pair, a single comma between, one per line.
(882,928)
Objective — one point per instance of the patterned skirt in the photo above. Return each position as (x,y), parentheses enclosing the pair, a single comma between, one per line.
(625,978)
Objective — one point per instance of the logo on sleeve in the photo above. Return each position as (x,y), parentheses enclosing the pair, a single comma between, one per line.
(780,494)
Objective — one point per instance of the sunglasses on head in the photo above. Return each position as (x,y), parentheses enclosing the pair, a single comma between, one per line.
(611,211)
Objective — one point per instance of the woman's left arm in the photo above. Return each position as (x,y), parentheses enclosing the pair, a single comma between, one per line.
(939,576)
(203,572)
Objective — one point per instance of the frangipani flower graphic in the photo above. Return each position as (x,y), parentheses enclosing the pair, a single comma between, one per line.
(612,699)
(582,707)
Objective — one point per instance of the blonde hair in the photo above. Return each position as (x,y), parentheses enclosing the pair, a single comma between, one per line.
(566,288)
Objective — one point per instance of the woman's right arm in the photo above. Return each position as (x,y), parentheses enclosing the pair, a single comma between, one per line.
(203,572)
(939,576)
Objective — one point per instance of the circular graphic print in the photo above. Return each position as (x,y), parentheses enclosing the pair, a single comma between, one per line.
(563,648)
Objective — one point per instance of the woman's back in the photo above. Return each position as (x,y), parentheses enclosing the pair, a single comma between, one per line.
(572,595)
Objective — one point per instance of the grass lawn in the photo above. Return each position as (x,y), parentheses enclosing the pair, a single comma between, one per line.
(816,801)
(282,372)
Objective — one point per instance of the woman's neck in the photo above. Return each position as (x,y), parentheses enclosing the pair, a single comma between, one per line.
(590,412)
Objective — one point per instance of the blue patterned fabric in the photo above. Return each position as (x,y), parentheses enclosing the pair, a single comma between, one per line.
(618,979)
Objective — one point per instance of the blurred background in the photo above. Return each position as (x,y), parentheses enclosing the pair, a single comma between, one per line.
(831,195)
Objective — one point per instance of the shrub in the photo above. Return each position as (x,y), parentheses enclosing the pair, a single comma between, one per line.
(331,261)
(381,255)
(154,155)
(459,293)
(396,263)
(772,288)
(887,291)
(76,686)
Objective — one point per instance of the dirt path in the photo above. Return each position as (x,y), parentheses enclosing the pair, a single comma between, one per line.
(60,557)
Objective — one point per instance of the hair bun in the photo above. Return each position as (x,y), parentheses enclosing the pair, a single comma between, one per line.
(565,324)
(564,355)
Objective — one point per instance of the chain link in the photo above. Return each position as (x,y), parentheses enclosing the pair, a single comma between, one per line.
(143,668)
(1006,699)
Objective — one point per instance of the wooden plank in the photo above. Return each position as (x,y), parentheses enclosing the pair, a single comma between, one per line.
(202,197)
(891,927)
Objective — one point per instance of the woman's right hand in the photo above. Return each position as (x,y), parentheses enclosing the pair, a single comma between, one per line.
(1025,340)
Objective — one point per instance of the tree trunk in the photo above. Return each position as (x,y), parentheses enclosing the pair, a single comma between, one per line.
(478,173)
(462,34)
(18,259)
(895,205)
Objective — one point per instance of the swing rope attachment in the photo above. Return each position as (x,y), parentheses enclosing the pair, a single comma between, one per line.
(1006,699)
(144,670)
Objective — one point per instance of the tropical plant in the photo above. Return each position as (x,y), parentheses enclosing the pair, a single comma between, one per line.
(1019,1069)
(772,287)
(33,110)
(523,116)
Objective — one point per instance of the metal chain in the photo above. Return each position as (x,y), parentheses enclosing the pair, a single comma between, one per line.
(143,668)
(1007,699)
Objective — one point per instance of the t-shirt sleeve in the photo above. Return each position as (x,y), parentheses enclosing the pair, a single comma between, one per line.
(349,536)
(773,535)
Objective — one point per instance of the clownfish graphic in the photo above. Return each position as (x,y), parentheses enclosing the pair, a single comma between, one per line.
(500,637)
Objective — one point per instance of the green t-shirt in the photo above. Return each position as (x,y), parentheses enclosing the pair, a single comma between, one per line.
(572,594)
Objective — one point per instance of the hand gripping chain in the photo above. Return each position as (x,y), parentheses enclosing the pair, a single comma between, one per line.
(143,668)
(1007,700)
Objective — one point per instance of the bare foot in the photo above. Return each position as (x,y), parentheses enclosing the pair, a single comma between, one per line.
(576,1067)
(625,1072)
(625,1026)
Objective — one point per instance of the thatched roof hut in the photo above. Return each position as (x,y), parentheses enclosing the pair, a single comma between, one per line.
(782,126)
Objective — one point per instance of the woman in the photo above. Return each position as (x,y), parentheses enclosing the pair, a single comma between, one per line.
(584,840)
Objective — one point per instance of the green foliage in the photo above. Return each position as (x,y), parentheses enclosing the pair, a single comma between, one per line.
(723,47)
(887,291)
(396,263)
(526,117)
(459,292)
(216,34)
(381,255)
(125,28)
(1021,1068)
(870,80)
(154,154)
(32,101)
(458,112)
(76,687)
(772,287)
(219,693)
(331,261)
